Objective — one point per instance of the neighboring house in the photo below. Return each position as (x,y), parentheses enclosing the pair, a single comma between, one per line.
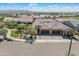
(45,17)
(20,18)
(23,20)
(73,24)
(49,26)
(15,15)
(63,19)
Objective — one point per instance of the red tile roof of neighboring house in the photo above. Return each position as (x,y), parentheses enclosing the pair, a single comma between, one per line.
(27,20)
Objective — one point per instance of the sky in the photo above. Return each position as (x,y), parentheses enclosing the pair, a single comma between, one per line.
(41,7)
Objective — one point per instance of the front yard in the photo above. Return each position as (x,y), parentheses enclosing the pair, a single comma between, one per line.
(17,30)
(14,33)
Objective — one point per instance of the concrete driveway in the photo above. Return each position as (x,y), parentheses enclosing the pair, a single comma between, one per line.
(53,37)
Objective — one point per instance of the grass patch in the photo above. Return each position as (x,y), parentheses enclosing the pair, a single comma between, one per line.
(66,54)
(76,18)
(14,34)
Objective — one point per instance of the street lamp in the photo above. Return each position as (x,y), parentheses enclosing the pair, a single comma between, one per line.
(70,46)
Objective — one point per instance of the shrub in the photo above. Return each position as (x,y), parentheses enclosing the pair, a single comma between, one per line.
(3,31)
(14,34)
(76,33)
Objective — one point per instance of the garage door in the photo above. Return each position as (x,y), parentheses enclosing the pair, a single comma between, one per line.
(45,32)
(56,32)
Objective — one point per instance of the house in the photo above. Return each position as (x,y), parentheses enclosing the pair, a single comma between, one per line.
(15,15)
(44,17)
(73,24)
(49,26)
(23,20)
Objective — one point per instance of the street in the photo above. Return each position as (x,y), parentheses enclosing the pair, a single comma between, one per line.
(37,49)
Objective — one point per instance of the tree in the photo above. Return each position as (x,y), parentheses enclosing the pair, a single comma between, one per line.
(3,31)
(2,25)
(1,19)
(10,24)
(32,30)
(20,28)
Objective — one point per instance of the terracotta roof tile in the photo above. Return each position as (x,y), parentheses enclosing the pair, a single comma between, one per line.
(50,24)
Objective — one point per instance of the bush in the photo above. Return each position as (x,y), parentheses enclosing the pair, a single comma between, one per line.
(8,39)
(1,19)
(76,33)
(3,31)
(31,30)
(14,34)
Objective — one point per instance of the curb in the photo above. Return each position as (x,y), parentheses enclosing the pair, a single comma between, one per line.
(53,41)
(48,41)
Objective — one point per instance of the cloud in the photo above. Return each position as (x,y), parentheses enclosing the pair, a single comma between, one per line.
(36,7)
(32,5)
(54,9)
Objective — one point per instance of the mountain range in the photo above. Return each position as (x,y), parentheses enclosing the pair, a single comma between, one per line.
(27,11)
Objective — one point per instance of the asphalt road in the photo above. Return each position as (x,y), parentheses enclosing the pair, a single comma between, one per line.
(37,49)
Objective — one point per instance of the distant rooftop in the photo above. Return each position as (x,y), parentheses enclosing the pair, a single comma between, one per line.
(27,20)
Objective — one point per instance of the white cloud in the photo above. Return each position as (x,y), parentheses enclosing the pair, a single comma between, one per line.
(54,8)
(49,8)
(32,5)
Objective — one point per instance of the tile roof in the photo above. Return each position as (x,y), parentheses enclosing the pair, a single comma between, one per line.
(23,20)
(47,24)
